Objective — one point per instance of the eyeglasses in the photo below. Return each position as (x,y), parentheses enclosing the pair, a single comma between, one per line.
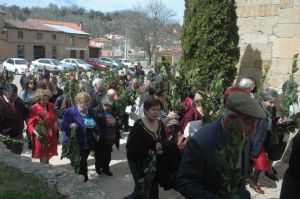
(31,83)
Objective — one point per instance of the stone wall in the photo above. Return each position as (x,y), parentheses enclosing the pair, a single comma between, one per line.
(269,37)
(66,182)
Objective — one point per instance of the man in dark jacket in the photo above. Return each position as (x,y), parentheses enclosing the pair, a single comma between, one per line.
(199,173)
(291,181)
(12,116)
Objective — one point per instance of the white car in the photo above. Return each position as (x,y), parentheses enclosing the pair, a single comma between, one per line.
(51,65)
(15,65)
(77,62)
(127,62)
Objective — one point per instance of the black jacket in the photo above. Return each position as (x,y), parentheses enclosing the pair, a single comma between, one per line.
(11,119)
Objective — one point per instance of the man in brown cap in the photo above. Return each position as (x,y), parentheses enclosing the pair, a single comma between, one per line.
(199,175)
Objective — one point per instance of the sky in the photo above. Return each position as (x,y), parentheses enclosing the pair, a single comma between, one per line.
(102,5)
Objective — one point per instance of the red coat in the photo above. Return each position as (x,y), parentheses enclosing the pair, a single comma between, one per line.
(50,148)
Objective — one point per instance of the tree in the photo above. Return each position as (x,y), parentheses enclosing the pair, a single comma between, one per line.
(210,39)
(149,26)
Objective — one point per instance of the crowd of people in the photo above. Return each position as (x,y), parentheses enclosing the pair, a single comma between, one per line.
(44,109)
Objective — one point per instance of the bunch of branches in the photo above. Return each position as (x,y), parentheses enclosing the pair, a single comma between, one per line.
(228,159)
(72,152)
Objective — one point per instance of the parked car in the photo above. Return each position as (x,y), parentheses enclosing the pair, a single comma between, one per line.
(117,63)
(51,65)
(15,65)
(106,60)
(77,62)
(95,62)
(127,62)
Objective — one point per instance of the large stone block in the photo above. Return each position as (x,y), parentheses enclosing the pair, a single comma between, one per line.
(297,30)
(269,21)
(296,3)
(286,3)
(255,39)
(282,66)
(286,48)
(269,10)
(264,30)
(289,16)
(285,30)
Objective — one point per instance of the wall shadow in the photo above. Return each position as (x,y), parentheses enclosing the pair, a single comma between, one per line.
(251,64)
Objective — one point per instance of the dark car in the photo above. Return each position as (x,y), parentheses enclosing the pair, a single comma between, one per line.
(95,62)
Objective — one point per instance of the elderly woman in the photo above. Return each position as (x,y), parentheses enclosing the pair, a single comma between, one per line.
(42,127)
(261,140)
(79,117)
(108,124)
(148,134)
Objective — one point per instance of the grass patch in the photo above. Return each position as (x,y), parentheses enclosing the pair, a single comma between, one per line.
(14,185)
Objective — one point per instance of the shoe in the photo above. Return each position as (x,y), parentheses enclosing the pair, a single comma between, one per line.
(98,171)
(274,171)
(256,188)
(272,176)
(107,172)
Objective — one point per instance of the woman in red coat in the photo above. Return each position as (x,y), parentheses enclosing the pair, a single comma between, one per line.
(42,126)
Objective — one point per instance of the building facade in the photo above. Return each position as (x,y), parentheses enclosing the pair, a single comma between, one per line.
(38,38)
(269,38)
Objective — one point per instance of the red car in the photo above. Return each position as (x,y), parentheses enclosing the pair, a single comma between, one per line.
(95,62)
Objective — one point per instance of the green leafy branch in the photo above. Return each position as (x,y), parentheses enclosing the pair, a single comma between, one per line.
(290,95)
(71,151)
(228,159)
(146,182)
(212,99)
(8,139)
(42,129)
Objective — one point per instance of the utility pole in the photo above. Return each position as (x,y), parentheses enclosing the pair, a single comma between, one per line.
(126,44)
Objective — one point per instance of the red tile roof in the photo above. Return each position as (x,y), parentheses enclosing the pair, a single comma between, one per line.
(64,23)
(101,39)
(29,25)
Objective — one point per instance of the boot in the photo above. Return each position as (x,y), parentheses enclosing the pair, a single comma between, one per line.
(253,182)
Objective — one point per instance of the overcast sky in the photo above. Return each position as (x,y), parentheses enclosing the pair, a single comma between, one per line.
(102,5)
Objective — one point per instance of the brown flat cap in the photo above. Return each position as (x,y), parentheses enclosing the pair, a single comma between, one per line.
(244,104)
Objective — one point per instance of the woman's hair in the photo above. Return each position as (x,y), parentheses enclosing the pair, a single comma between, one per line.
(6,73)
(157,88)
(27,81)
(151,102)
(83,97)
(269,94)
(39,93)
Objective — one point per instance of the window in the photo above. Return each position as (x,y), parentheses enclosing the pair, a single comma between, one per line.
(71,40)
(39,36)
(82,54)
(20,51)
(10,61)
(20,34)
(54,52)
(73,53)
(53,36)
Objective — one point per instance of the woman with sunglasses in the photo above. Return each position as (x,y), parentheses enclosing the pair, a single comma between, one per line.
(42,116)
(27,94)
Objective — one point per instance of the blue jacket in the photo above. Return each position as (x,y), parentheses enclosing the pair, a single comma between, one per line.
(198,175)
(84,137)
(259,137)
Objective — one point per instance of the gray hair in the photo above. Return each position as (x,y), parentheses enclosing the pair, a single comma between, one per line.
(246,83)
(97,81)
(269,94)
